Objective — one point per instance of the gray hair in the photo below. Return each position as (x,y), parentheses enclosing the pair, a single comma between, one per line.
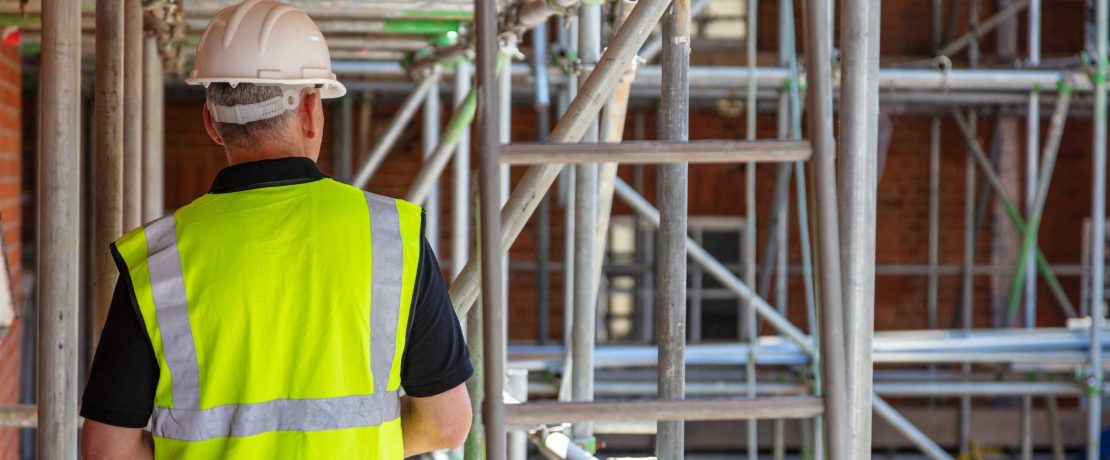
(246,93)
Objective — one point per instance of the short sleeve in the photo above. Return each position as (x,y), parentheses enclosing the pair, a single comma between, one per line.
(436,358)
(124,375)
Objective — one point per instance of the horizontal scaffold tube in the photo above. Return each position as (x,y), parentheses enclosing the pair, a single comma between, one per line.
(728,77)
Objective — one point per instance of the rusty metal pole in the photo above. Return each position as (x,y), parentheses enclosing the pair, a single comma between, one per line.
(59,230)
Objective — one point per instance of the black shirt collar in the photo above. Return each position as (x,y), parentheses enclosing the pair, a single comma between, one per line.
(266,173)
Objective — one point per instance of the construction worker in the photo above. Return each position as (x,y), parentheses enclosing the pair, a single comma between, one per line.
(281,314)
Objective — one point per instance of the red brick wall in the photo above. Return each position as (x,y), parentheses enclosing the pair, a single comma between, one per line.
(11,221)
(902,199)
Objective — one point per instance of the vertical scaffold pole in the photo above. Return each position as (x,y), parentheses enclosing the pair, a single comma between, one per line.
(344,137)
(543,213)
(859,125)
(583,330)
(59,231)
(108,156)
(1032,154)
(1098,234)
(460,212)
(673,185)
(751,14)
(154,127)
(430,137)
(133,109)
(818,46)
(489,184)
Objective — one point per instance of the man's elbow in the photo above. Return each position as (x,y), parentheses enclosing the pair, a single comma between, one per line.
(453,433)
(456,436)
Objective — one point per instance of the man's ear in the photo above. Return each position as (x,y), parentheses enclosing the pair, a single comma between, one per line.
(311,114)
(210,127)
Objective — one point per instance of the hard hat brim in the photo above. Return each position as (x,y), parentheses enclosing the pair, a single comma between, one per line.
(330,88)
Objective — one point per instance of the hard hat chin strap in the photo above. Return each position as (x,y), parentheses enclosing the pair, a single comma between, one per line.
(247,113)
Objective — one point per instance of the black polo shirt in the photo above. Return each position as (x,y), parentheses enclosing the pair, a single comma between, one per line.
(124,373)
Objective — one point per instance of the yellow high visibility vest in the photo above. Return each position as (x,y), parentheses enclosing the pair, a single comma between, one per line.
(278,317)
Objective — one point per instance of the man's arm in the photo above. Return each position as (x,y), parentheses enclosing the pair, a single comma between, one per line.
(438,422)
(107,442)
(435,367)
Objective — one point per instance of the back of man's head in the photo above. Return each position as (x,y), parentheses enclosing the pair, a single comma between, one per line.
(255,133)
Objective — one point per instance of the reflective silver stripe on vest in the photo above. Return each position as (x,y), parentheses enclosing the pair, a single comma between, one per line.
(172,309)
(237,420)
(387,256)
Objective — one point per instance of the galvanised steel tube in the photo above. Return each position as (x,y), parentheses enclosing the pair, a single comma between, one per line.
(818,53)
(673,186)
(571,128)
(460,212)
(489,184)
(920,439)
(751,15)
(583,330)
(154,181)
(396,125)
(542,107)
(1011,212)
(108,156)
(653,47)
(437,160)
(59,237)
(430,136)
(859,119)
(133,108)
(716,269)
(1036,209)
(1098,232)
(722,274)
(343,135)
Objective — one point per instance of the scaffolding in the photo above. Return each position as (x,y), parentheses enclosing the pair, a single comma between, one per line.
(824,375)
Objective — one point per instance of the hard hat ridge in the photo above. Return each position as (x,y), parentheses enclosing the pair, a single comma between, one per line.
(265,42)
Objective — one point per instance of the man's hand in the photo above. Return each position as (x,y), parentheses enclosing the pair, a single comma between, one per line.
(438,422)
(100,441)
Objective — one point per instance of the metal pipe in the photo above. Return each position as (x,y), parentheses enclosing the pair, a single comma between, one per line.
(818,27)
(489,184)
(568,39)
(1036,209)
(430,138)
(517,387)
(396,126)
(751,15)
(920,439)
(1011,212)
(1098,232)
(436,161)
(154,149)
(558,446)
(716,269)
(570,128)
(460,212)
(672,183)
(714,409)
(967,291)
(475,446)
(654,46)
(59,233)
(108,160)
(583,330)
(343,137)
(659,152)
(133,108)
(542,107)
(978,30)
(859,110)
(966,82)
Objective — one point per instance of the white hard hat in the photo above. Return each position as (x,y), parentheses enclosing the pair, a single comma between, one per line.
(264,42)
